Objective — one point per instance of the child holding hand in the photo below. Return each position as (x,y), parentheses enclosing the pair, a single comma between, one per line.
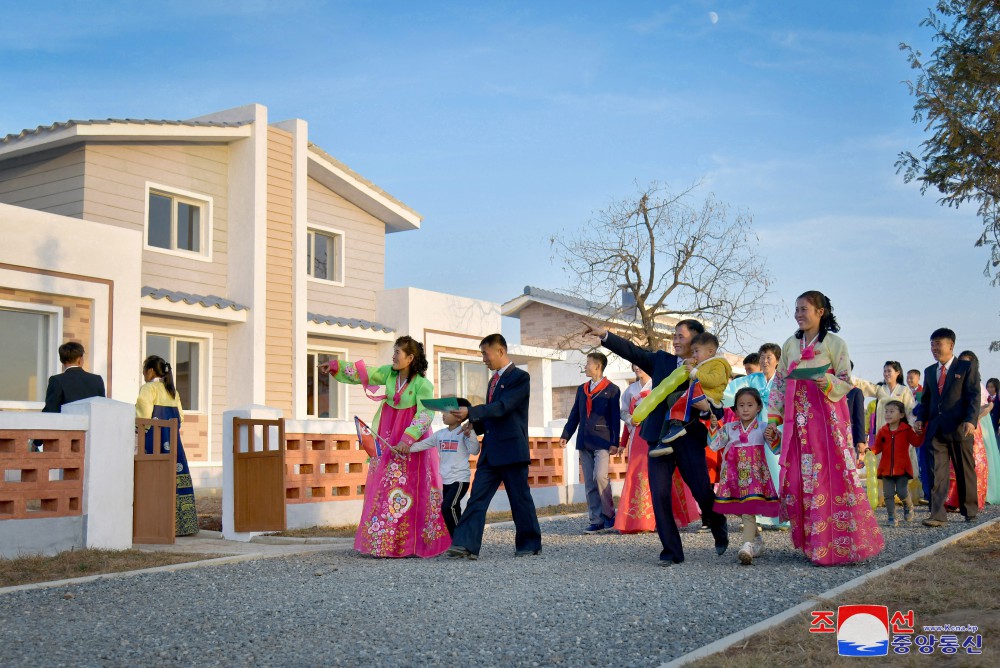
(893,442)
(744,486)
(454,446)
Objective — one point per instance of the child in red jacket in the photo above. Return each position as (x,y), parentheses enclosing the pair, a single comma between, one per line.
(893,441)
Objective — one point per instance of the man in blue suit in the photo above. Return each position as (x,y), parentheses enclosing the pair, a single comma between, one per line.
(689,450)
(503,423)
(597,413)
(949,408)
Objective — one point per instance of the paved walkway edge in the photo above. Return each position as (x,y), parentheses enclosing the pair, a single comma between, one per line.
(219,561)
(725,643)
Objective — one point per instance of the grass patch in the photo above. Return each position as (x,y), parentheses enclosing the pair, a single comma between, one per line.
(956,585)
(80,563)
(348,531)
(209,512)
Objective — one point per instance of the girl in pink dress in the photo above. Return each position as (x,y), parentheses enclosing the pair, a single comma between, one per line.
(821,496)
(401,516)
(635,506)
(744,486)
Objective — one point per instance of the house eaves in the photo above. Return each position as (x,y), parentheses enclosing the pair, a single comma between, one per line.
(582,307)
(361,192)
(118,129)
(185,304)
(350,328)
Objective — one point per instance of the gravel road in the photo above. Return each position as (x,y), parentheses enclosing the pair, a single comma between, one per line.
(586,600)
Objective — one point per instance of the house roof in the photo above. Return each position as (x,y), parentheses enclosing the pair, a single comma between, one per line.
(571,303)
(208,301)
(59,125)
(224,126)
(353,323)
(361,192)
(63,133)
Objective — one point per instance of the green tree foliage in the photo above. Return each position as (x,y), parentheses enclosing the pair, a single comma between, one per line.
(957,93)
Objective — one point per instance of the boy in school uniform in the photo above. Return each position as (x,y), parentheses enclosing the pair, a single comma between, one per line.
(597,414)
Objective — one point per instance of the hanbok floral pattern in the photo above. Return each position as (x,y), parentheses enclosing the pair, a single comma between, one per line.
(820,493)
(401,515)
(744,486)
(635,506)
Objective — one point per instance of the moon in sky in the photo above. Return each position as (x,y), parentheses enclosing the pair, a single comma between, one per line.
(713,17)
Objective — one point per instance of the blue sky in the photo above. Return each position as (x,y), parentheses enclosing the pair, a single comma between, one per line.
(504,123)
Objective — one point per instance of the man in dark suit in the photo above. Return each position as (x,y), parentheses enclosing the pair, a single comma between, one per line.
(689,450)
(503,423)
(949,408)
(597,413)
(73,384)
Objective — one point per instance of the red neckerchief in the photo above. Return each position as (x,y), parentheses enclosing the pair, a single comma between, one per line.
(590,395)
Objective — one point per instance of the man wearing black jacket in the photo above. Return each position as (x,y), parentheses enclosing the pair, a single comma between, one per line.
(949,410)
(596,421)
(689,451)
(73,384)
(504,458)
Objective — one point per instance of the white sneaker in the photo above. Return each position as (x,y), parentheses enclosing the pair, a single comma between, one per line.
(758,546)
(746,554)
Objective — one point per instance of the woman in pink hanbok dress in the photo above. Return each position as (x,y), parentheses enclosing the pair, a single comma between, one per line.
(978,454)
(635,506)
(401,516)
(820,493)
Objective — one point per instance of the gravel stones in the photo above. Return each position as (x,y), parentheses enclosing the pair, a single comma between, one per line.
(586,600)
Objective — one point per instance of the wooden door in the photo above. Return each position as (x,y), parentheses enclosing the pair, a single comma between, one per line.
(258,475)
(154,511)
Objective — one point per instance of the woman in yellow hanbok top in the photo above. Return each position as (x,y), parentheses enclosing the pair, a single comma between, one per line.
(159,399)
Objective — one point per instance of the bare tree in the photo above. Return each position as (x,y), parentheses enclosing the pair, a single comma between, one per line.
(675,258)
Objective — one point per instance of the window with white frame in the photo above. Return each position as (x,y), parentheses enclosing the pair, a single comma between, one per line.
(177,222)
(463,378)
(185,358)
(325,255)
(27,354)
(324,397)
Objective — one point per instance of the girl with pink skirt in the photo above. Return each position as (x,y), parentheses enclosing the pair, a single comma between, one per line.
(744,486)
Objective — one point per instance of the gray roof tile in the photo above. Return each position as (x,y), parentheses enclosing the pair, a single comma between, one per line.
(208,301)
(353,323)
(41,129)
(595,309)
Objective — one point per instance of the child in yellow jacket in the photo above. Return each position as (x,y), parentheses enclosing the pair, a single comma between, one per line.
(709,374)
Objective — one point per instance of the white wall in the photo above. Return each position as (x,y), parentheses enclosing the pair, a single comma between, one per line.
(77,250)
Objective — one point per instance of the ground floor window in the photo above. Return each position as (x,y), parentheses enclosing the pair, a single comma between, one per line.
(185,357)
(324,398)
(30,339)
(463,378)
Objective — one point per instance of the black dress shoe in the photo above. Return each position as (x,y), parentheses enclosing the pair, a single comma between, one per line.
(971,519)
(721,549)
(528,553)
(459,552)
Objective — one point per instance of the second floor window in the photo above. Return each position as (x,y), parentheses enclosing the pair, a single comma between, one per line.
(325,255)
(176,223)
